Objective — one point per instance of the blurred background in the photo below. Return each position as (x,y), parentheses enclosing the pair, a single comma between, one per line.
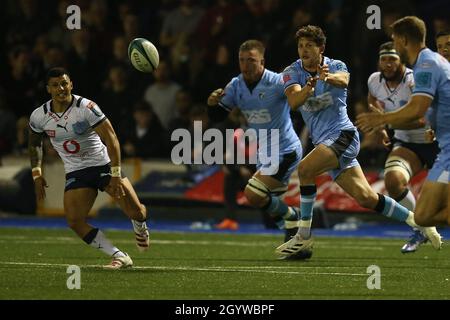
(198,43)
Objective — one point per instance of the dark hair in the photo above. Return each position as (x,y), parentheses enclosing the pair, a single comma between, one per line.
(253,44)
(411,27)
(443,33)
(387,46)
(312,32)
(55,73)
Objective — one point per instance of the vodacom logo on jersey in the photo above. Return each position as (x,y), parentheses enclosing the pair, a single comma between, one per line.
(71,146)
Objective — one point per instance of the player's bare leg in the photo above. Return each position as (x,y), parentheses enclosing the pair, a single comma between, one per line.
(136,211)
(284,216)
(355,184)
(397,180)
(353,181)
(320,160)
(431,205)
(261,192)
(77,204)
(401,165)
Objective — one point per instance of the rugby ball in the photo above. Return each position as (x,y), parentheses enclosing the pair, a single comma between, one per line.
(143,55)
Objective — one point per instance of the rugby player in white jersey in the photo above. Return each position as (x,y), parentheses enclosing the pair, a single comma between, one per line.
(76,127)
(390,89)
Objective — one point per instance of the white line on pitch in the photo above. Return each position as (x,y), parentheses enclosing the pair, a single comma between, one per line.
(75,241)
(205,269)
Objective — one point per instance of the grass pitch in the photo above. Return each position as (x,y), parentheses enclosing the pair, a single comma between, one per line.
(194,266)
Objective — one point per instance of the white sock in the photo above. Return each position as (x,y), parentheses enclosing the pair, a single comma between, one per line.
(138,226)
(409,201)
(305,229)
(102,243)
(410,220)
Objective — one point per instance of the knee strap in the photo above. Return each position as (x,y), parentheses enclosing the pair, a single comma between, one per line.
(395,163)
(261,189)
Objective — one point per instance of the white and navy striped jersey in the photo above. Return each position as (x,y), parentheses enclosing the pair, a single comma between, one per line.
(393,99)
(71,132)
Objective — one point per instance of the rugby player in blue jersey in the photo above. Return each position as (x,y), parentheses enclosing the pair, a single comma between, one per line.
(259,94)
(317,86)
(412,150)
(430,98)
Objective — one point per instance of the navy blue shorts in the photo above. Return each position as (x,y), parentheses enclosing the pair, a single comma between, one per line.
(93,177)
(346,148)
(427,152)
(287,164)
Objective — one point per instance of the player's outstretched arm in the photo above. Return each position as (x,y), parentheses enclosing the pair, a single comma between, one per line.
(108,136)
(375,106)
(297,96)
(337,79)
(413,111)
(35,154)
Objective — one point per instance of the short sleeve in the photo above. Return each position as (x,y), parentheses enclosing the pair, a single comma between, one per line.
(426,79)
(371,83)
(36,121)
(92,113)
(290,77)
(338,66)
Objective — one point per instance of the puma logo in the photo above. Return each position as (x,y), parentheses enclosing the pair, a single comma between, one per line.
(64,127)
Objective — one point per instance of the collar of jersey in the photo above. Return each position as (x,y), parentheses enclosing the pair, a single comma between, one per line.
(418,56)
(55,113)
(325,60)
(256,83)
(391,92)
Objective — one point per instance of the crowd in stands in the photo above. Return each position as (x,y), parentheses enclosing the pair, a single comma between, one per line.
(198,43)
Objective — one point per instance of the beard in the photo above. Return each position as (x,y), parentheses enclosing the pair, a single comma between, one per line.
(397,75)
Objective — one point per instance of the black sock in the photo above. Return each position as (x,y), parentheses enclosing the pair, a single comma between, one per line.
(381,203)
(402,196)
(90,236)
(308,190)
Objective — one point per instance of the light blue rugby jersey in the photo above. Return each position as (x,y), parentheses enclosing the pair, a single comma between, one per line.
(325,113)
(265,107)
(432,79)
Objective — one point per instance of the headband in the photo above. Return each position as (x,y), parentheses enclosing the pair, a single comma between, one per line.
(386,52)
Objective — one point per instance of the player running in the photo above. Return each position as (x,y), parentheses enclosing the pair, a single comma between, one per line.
(430,98)
(390,89)
(317,85)
(258,93)
(76,127)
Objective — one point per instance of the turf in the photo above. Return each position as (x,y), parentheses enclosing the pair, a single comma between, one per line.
(191,266)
